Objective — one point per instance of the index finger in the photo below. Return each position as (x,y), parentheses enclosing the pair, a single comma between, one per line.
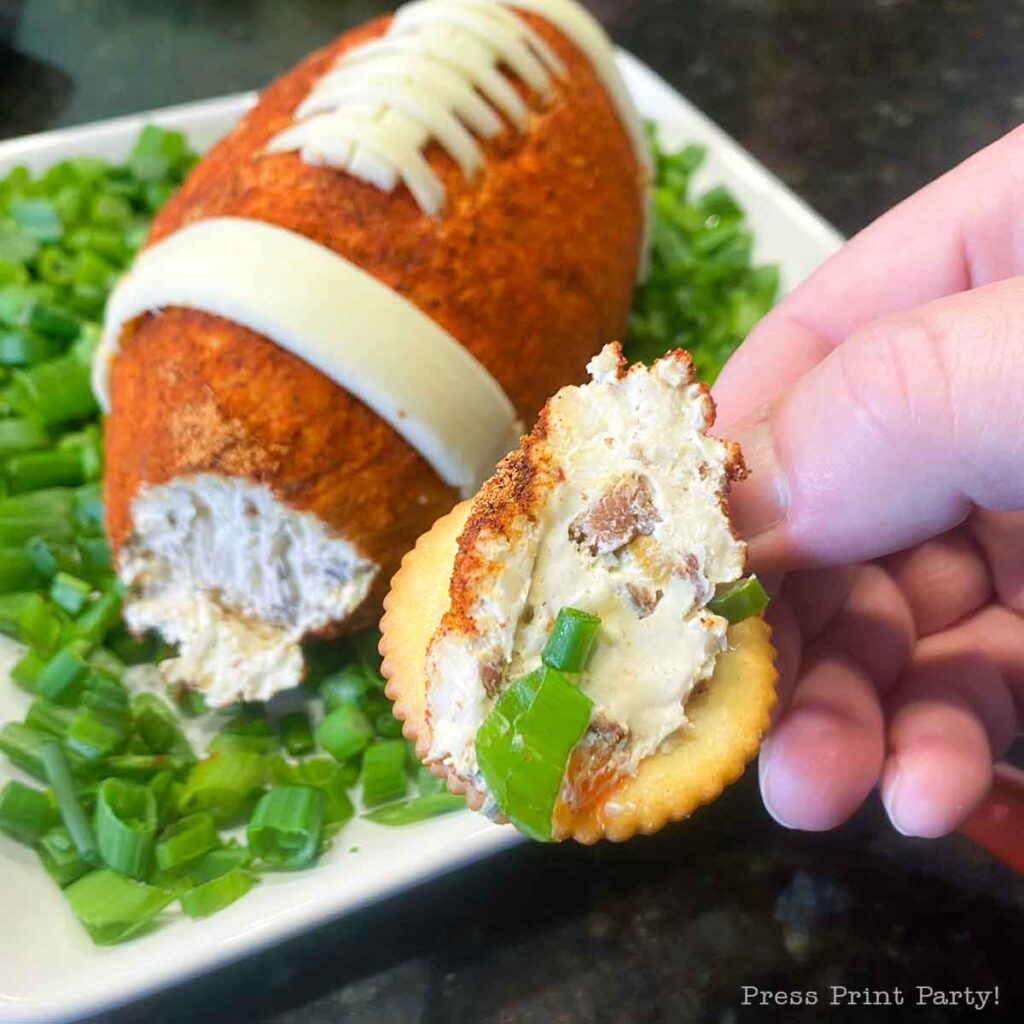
(964,230)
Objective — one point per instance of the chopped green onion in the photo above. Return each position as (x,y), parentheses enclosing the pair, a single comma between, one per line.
(59,774)
(156,724)
(285,827)
(386,726)
(146,766)
(62,676)
(222,785)
(100,617)
(60,858)
(26,671)
(40,513)
(740,600)
(570,641)
(70,592)
(218,862)
(126,824)
(30,618)
(185,840)
(345,732)
(37,218)
(216,894)
(112,907)
(245,733)
(96,735)
(26,813)
(417,808)
(49,718)
(330,777)
(524,744)
(20,436)
(297,734)
(55,391)
(383,775)
(346,686)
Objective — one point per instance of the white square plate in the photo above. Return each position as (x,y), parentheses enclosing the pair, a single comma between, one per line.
(49,969)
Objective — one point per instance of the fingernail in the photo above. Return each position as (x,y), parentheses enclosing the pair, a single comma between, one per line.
(761,501)
(891,799)
(764,770)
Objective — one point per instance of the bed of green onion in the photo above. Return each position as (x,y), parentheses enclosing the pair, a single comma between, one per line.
(125,814)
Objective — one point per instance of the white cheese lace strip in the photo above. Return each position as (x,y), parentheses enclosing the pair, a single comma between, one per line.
(338,318)
(440,73)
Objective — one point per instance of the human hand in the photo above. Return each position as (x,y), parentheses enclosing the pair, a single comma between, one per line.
(880,408)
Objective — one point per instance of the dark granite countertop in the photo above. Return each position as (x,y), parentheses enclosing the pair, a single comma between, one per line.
(854,103)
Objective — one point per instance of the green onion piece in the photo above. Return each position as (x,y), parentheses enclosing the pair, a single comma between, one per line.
(36,470)
(63,676)
(96,735)
(26,813)
(20,436)
(107,662)
(222,785)
(524,744)
(126,824)
(26,672)
(386,726)
(346,686)
(158,154)
(417,808)
(185,840)
(21,348)
(49,718)
(100,617)
(144,767)
(37,218)
(218,862)
(285,827)
(570,641)
(94,554)
(332,779)
(105,692)
(157,725)
(247,732)
(740,600)
(30,618)
(55,391)
(88,510)
(17,570)
(50,557)
(23,746)
(70,592)
(60,858)
(344,732)
(59,774)
(216,894)
(297,734)
(114,908)
(45,513)
(383,775)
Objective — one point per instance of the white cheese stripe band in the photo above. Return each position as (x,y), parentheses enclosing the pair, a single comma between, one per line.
(436,74)
(312,302)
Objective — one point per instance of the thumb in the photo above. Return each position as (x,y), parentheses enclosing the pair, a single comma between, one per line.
(894,437)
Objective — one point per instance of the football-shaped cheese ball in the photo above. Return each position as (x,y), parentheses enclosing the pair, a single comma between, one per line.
(339,323)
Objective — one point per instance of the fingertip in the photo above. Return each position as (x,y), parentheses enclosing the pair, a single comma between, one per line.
(936,780)
(824,757)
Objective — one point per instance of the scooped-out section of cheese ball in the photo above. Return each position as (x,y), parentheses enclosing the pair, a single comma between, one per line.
(219,566)
(614,506)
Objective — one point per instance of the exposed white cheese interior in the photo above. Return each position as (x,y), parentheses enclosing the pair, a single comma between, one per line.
(236,578)
(340,319)
(630,454)
(439,74)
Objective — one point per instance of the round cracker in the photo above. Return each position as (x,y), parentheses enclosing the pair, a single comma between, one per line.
(727,718)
